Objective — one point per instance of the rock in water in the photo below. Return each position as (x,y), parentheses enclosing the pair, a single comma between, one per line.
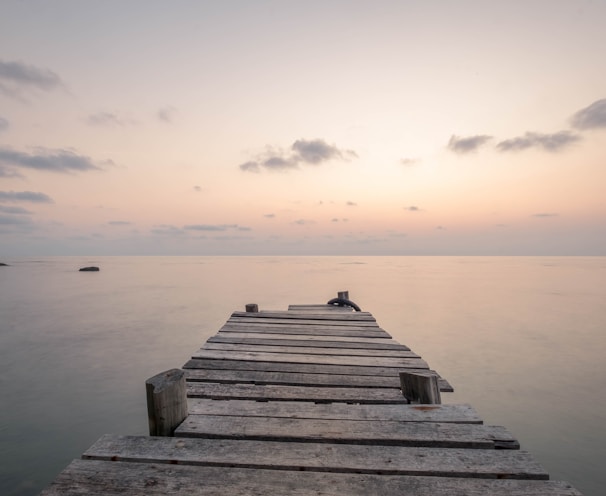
(89,269)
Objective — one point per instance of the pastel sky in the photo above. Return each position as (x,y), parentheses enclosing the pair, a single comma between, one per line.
(302,127)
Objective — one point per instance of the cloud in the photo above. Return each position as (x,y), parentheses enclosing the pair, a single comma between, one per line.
(9,172)
(409,161)
(17,78)
(14,210)
(549,142)
(24,196)
(4,125)
(10,220)
(413,208)
(310,152)
(167,230)
(279,163)
(215,227)
(269,216)
(59,160)
(546,215)
(351,204)
(303,222)
(250,166)
(591,117)
(318,151)
(166,114)
(119,223)
(197,188)
(108,119)
(468,144)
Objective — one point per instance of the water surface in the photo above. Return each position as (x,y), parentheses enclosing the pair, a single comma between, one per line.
(520,338)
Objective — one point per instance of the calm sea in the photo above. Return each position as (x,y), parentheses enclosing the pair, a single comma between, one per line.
(523,339)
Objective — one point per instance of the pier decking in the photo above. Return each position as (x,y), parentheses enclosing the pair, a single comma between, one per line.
(308,401)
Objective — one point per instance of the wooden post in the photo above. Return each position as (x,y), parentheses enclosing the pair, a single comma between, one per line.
(166,402)
(420,387)
(343,294)
(252,307)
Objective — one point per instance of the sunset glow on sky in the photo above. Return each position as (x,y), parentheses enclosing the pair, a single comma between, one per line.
(317,128)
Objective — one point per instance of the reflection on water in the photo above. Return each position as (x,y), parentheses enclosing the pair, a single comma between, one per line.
(519,338)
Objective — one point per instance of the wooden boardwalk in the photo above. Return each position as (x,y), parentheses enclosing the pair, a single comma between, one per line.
(306,402)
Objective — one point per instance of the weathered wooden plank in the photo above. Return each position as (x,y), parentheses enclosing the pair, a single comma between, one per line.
(307,337)
(300,368)
(324,457)
(384,433)
(227,376)
(313,341)
(85,477)
(462,413)
(309,350)
(345,331)
(289,378)
(304,368)
(330,316)
(293,393)
(319,359)
(251,318)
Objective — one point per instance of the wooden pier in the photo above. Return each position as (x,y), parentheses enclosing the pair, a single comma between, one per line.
(306,401)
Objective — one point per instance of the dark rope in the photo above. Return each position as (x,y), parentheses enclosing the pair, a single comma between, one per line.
(342,302)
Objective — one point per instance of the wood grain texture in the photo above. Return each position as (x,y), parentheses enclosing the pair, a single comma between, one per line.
(318,359)
(320,316)
(462,413)
(315,341)
(293,393)
(85,477)
(305,330)
(369,432)
(324,457)
(216,366)
(309,350)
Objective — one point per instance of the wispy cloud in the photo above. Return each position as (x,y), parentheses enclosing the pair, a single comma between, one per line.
(60,160)
(351,204)
(119,223)
(303,222)
(24,196)
(544,215)
(412,208)
(279,163)
(18,79)
(591,117)
(14,220)
(14,210)
(109,119)
(549,142)
(215,227)
(310,152)
(407,162)
(250,166)
(9,172)
(167,114)
(468,144)
(318,151)
(167,230)
(270,216)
